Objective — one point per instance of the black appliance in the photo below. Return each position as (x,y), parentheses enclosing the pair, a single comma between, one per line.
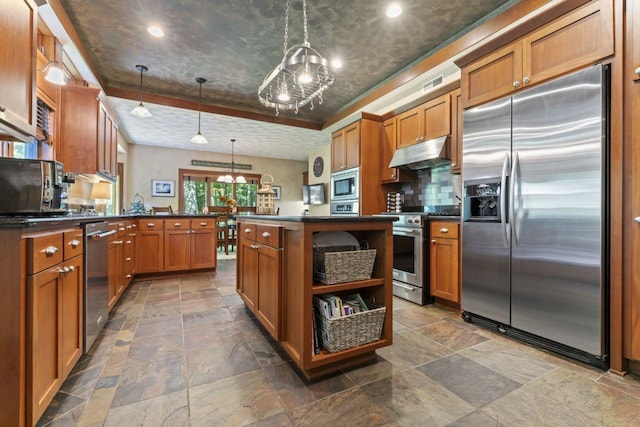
(30,186)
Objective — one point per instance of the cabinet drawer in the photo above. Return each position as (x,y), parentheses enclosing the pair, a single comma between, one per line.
(268,235)
(197,224)
(44,252)
(73,243)
(248,231)
(150,224)
(177,224)
(444,229)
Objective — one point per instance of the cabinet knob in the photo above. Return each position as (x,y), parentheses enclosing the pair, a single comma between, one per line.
(526,80)
(637,219)
(433,241)
(637,70)
(516,84)
(128,242)
(177,224)
(74,243)
(254,246)
(444,230)
(247,230)
(133,226)
(203,224)
(128,259)
(453,165)
(121,229)
(71,268)
(418,139)
(128,276)
(128,227)
(151,225)
(50,250)
(266,234)
(117,242)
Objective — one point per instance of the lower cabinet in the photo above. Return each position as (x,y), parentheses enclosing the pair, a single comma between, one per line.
(444,256)
(189,244)
(150,246)
(54,315)
(260,272)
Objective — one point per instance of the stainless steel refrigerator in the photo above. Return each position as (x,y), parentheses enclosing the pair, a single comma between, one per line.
(535,215)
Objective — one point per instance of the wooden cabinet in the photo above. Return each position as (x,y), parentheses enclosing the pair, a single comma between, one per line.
(444,271)
(129,262)
(203,243)
(455,142)
(88,134)
(260,271)
(387,174)
(54,314)
(577,39)
(18,30)
(189,244)
(345,148)
(150,246)
(116,253)
(426,121)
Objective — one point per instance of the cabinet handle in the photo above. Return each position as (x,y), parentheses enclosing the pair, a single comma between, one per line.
(150,224)
(128,259)
(134,226)
(50,250)
(132,234)
(637,70)
(526,80)
(128,227)
(177,224)
(516,84)
(433,241)
(71,269)
(254,246)
(203,224)
(444,230)
(266,234)
(453,165)
(67,270)
(117,242)
(128,242)
(128,276)
(393,175)
(637,219)
(247,230)
(74,243)
(121,229)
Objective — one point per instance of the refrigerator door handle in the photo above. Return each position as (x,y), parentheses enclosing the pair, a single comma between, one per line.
(503,200)
(512,199)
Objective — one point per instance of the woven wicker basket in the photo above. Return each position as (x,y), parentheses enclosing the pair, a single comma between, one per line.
(341,333)
(339,267)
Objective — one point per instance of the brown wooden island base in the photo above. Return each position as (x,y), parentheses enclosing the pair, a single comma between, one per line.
(275,280)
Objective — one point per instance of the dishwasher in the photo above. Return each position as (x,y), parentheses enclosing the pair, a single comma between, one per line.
(96,280)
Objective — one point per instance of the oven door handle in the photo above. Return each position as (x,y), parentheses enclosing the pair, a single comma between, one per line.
(406,231)
(406,287)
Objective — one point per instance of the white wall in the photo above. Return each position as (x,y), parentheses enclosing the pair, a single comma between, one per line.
(325,153)
(145,163)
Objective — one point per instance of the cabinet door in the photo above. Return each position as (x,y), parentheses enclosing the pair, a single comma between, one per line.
(492,76)
(436,117)
(44,367)
(103,134)
(72,314)
(352,145)
(338,157)
(113,151)
(78,148)
(249,266)
(149,252)
(129,265)
(177,245)
(268,309)
(633,11)
(575,40)
(203,248)
(113,271)
(409,131)
(388,149)
(455,143)
(444,270)
(18,62)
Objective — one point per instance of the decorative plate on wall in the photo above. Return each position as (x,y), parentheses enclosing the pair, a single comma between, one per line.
(318,166)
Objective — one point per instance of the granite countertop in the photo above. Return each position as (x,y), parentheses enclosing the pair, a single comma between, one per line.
(336,218)
(22,221)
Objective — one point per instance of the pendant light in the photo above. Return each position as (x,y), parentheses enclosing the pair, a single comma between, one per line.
(198,138)
(229,178)
(141,110)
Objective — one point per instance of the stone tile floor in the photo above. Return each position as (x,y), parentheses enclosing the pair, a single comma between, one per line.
(184,351)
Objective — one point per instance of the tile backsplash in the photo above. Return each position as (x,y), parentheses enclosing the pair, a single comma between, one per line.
(434,187)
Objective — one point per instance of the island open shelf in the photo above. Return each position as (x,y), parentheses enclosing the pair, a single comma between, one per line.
(275,280)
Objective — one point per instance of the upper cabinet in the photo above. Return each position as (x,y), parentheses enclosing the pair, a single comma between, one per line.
(391,175)
(579,38)
(345,147)
(18,20)
(426,121)
(455,142)
(88,134)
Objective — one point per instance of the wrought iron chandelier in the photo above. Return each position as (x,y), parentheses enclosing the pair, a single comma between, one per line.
(300,78)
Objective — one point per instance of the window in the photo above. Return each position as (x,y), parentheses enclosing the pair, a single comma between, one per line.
(19,150)
(200,189)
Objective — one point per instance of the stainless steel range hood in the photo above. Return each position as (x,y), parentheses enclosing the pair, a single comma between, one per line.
(422,155)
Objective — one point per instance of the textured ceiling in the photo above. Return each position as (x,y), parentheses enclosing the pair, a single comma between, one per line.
(234,44)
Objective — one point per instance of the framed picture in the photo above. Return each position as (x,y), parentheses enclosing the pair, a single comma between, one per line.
(276,189)
(162,188)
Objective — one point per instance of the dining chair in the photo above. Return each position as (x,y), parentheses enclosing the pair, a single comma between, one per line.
(162,210)
(223,233)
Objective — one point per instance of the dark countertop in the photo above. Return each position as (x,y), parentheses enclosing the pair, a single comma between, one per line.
(73,220)
(337,218)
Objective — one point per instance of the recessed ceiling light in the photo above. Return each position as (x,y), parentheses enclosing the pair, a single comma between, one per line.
(336,63)
(155,31)
(394,10)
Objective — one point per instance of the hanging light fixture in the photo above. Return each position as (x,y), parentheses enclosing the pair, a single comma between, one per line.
(198,138)
(229,178)
(54,74)
(300,78)
(141,110)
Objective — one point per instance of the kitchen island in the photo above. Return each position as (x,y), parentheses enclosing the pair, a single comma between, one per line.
(275,280)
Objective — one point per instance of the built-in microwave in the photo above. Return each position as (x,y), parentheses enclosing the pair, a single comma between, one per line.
(345,184)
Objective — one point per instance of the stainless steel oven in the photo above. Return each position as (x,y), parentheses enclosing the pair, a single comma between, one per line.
(410,259)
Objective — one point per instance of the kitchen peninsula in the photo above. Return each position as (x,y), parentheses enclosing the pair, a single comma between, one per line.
(275,280)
